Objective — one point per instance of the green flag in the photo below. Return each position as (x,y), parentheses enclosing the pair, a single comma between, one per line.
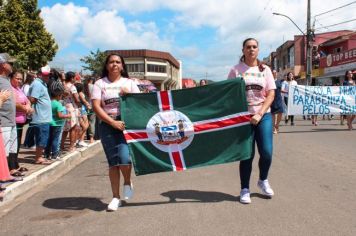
(180,129)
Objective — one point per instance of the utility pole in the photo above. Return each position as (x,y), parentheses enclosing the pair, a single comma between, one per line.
(309,42)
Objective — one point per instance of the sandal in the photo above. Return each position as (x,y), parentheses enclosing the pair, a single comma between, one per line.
(22,169)
(17,174)
(15,179)
(2,188)
(44,162)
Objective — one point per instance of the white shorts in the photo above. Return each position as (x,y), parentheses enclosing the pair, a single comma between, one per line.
(9,135)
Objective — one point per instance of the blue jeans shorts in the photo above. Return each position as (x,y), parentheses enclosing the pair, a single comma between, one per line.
(41,132)
(114,144)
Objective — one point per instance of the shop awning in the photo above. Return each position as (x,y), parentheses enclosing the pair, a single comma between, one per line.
(332,74)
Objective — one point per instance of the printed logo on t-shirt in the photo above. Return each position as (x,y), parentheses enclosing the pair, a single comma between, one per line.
(111,100)
(254,87)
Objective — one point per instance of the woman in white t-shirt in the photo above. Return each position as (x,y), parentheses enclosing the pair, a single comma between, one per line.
(285,91)
(106,104)
(260,88)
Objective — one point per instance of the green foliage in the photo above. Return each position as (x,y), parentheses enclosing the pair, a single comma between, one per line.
(23,34)
(94,62)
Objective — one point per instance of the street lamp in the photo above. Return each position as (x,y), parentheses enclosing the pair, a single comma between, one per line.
(279,14)
(308,37)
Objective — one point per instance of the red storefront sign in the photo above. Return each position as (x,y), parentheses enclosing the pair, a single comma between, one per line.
(338,58)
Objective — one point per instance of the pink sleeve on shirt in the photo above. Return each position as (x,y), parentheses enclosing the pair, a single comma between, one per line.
(96,93)
(134,87)
(270,84)
(232,74)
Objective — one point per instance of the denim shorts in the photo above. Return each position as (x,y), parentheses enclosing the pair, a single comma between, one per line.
(114,144)
(41,132)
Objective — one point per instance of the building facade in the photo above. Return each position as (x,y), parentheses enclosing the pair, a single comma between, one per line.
(161,68)
(291,56)
(337,56)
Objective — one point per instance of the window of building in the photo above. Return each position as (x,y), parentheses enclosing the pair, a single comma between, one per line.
(135,67)
(156,68)
(285,62)
(291,56)
(275,64)
(337,50)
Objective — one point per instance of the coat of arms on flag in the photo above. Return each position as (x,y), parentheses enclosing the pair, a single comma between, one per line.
(180,129)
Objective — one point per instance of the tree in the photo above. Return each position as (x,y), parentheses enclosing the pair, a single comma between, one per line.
(23,34)
(94,62)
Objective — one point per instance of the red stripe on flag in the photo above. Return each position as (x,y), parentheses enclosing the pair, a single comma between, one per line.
(177,161)
(221,123)
(166,106)
(136,135)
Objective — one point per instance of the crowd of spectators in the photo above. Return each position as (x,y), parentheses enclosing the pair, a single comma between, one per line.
(46,106)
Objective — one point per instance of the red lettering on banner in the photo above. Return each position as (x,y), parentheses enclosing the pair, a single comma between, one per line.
(177,161)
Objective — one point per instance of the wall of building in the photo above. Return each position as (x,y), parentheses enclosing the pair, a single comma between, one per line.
(161,68)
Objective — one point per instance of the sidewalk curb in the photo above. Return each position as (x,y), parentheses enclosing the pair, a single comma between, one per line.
(49,173)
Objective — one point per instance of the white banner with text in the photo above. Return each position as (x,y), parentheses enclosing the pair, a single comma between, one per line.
(321,100)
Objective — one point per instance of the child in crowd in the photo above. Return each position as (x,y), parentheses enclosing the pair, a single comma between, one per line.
(56,127)
(83,120)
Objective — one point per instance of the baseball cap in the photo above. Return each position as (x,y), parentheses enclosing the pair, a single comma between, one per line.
(46,70)
(5,58)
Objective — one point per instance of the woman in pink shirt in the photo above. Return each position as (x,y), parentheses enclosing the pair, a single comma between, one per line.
(106,103)
(260,88)
(23,108)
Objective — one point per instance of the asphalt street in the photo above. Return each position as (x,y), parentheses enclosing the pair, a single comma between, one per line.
(313,175)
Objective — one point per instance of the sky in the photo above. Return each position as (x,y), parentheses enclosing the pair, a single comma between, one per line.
(206,35)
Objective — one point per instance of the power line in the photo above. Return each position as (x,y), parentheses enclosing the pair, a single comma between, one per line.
(264,9)
(346,11)
(321,24)
(337,24)
(335,9)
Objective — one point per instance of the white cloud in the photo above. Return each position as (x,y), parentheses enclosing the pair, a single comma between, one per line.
(109,30)
(68,62)
(64,21)
(103,26)
(106,29)
(238,19)
(187,52)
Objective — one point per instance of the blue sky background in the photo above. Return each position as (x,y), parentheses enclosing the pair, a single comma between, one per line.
(205,35)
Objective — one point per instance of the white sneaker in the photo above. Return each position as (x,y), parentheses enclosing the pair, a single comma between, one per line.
(82,143)
(128,191)
(114,204)
(245,196)
(265,187)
